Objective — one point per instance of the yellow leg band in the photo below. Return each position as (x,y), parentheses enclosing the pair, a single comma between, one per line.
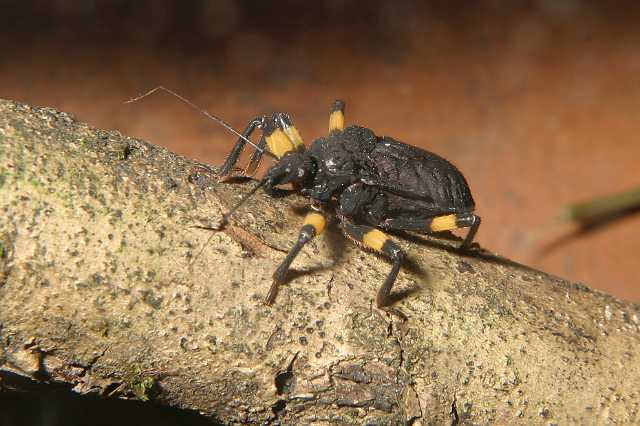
(317,221)
(375,239)
(443,223)
(294,135)
(279,143)
(336,121)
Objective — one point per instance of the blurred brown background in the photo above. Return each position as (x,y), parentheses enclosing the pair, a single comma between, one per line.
(537,102)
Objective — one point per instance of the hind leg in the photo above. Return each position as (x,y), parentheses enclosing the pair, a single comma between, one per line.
(437,224)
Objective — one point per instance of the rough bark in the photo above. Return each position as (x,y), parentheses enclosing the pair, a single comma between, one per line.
(106,284)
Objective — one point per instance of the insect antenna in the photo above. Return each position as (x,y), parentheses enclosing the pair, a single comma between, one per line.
(232,210)
(203,112)
(226,216)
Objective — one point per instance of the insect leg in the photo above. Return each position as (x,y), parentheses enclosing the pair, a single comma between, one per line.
(473,223)
(233,157)
(278,134)
(447,222)
(336,116)
(374,239)
(256,157)
(313,226)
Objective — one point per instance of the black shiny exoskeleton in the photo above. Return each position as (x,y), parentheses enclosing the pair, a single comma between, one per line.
(371,183)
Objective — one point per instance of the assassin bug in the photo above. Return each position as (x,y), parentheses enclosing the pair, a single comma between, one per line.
(370,183)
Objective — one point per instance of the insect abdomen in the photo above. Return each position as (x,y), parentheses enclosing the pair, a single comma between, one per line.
(422,175)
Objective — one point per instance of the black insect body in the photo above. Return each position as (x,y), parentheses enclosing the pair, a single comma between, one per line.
(371,183)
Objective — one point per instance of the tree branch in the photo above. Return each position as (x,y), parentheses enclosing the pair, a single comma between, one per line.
(107,283)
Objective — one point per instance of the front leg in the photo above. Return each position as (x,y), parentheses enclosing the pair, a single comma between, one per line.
(278,134)
(314,224)
(234,155)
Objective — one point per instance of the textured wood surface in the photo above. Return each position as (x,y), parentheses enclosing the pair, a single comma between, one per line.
(107,284)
